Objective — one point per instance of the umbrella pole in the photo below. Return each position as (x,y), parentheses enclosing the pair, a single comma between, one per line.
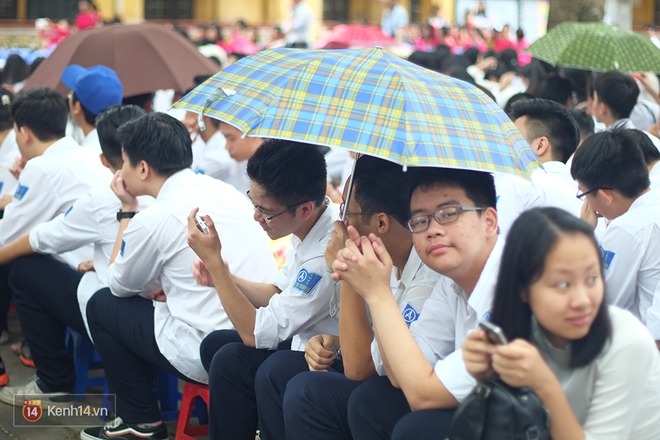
(350,188)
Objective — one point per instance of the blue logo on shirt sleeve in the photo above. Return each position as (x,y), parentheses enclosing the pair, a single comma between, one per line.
(410,314)
(123,246)
(68,211)
(1,185)
(306,281)
(20,192)
(607,257)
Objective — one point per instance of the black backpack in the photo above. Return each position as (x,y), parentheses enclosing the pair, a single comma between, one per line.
(496,411)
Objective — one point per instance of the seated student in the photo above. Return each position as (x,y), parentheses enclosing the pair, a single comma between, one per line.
(553,135)
(132,333)
(92,91)
(594,367)
(8,147)
(377,206)
(54,176)
(287,189)
(56,299)
(454,229)
(651,156)
(614,183)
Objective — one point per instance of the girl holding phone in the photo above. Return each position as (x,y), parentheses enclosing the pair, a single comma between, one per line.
(596,368)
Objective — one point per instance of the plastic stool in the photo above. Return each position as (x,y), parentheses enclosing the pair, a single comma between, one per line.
(191,393)
(85,358)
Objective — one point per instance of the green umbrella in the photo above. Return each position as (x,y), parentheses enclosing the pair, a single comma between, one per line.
(596,46)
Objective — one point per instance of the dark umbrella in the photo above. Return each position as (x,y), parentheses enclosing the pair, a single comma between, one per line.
(145,56)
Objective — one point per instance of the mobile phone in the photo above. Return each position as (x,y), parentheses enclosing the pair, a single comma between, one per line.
(201,225)
(494,334)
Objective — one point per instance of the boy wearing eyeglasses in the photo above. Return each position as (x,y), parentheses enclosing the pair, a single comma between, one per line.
(287,191)
(454,228)
(614,183)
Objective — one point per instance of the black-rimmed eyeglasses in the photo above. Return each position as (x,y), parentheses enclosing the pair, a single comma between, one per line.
(581,196)
(449,214)
(267,217)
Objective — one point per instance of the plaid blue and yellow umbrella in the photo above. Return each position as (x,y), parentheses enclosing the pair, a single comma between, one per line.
(367,101)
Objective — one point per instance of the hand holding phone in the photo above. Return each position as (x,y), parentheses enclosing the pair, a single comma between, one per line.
(494,334)
(201,225)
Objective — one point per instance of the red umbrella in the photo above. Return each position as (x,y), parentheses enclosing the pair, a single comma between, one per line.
(350,35)
(145,56)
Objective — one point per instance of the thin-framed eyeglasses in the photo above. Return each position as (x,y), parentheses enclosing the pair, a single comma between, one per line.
(581,196)
(421,222)
(267,217)
(343,206)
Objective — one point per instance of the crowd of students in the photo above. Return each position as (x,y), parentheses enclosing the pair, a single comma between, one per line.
(369,330)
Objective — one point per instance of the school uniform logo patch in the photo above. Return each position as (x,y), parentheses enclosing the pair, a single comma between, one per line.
(68,211)
(20,192)
(306,281)
(607,257)
(410,314)
(123,246)
(2,183)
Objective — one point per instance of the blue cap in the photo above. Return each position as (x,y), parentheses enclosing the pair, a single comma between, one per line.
(97,88)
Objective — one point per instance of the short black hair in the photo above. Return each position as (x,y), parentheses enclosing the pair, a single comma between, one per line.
(43,111)
(160,140)
(378,185)
(552,120)
(6,98)
(611,159)
(515,98)
(289,172)
(557,89)
(90,117)
(584,121)
(531,238)
(479,186)
(107,123)
(618,92)
(649,151)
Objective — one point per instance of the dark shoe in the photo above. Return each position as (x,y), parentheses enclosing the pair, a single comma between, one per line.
(118,430)
(4,377)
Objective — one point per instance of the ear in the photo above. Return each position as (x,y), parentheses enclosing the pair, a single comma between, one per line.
(524,297)
(104,161)
(542,146)
(145,170)
(76,108)
(490,217)
(383,223)
(306,210)
(26,133)
(609,195)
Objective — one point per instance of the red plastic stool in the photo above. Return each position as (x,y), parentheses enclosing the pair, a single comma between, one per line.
(184,431)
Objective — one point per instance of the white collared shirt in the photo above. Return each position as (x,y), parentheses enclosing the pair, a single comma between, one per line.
(301,21)
(48,186)
(631,258)
(8,153)
(558,180)
(91,219)
(309,301)
(155,253)
(410,292)
(217,163)
(448,316)
(654,176)
(92,142)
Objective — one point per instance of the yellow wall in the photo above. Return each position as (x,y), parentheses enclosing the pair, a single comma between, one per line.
(643,13)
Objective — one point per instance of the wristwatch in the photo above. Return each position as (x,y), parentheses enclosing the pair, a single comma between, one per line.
(122,215)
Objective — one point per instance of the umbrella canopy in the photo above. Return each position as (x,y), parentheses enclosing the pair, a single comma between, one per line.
(368,101)
(350,35)
(146,58)
(596,46)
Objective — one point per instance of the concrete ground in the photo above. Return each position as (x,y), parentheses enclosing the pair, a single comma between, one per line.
(18,374)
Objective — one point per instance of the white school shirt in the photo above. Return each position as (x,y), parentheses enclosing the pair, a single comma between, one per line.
(448,316)
(92,142)
(217,163)
(309,299)
(516,195)
(301,21)
(154,253)
(654,176)
(8,153)
(48,186)
(558,181)
(653,315)
(630,250)
(91,219)
(410,292)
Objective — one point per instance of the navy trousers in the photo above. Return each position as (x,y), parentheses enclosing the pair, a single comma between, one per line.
(123,332)
(232,370)
(316,406)
(377,410)
(45,293)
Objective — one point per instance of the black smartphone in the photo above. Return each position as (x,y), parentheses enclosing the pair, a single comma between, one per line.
(494,334)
